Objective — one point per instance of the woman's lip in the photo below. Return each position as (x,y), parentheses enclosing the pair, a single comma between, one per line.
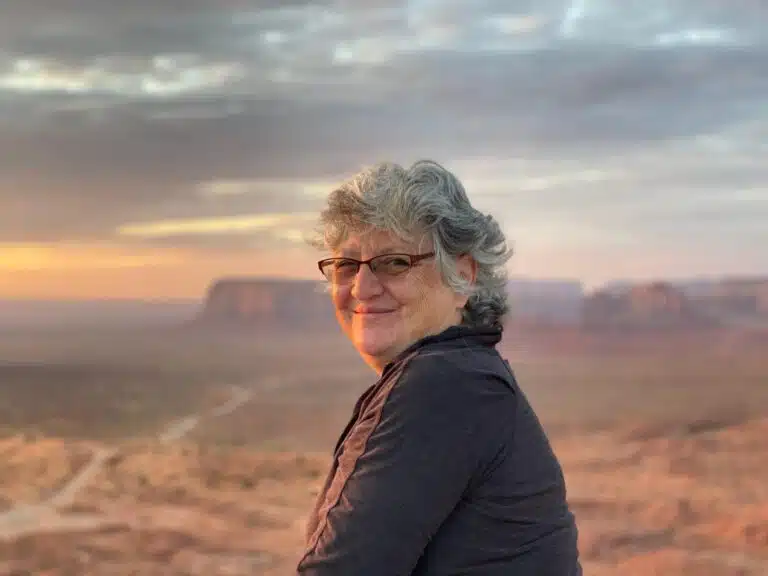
(373,311)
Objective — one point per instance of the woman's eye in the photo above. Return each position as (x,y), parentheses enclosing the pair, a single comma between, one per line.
(395,264)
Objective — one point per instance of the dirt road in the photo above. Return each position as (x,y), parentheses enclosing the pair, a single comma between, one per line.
(46,516)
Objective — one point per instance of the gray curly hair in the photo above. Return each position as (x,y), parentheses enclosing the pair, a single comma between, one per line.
(425,199)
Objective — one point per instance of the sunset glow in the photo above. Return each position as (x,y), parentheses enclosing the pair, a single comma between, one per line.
(145,154)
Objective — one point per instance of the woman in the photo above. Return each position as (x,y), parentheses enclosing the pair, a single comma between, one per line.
(443,468)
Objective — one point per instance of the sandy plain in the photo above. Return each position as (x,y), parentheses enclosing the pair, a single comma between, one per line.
(183,452)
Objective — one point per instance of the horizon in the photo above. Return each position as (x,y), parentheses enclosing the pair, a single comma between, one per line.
(586,288)
(144,154)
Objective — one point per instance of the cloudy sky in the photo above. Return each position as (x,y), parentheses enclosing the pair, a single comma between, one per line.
(149,146)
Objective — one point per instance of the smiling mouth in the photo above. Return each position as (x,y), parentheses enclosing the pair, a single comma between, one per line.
(372,312)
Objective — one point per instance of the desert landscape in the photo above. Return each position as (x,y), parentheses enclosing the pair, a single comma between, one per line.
(197,448)
(172,378)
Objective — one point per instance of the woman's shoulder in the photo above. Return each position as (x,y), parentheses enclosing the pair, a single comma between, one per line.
(463,374)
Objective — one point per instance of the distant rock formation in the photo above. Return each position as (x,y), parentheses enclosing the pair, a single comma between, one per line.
(735,296)
(301,303)
(728,295)
(266,302)
(654,306)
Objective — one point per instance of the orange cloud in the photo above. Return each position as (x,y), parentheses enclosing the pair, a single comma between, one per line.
(20,257)
(95,271)
(276,224)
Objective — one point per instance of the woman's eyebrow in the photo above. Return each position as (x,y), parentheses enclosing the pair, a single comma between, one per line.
(354,253)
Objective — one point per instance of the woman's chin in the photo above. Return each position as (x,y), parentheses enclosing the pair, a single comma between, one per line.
(374,341)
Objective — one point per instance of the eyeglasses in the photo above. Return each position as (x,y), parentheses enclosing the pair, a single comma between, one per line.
(385,266)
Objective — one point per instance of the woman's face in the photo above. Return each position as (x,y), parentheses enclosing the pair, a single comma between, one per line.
(383,314)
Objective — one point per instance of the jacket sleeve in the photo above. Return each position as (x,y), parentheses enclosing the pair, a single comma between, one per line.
(419,459)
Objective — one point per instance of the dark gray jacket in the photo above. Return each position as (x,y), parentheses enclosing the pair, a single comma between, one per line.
(444,469)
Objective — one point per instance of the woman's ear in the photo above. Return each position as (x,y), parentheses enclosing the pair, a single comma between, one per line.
(467,268)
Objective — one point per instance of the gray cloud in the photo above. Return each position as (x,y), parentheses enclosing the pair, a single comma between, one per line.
(114,112)
(546,104)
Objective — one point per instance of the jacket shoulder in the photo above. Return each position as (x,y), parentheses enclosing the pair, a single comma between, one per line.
(462,364)
(464,375)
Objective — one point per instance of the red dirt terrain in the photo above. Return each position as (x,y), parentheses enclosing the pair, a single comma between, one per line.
(662,439)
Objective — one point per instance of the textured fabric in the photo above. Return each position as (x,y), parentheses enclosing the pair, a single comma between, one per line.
(443,469)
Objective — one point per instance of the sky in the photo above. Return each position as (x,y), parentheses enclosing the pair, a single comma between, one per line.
(148,147)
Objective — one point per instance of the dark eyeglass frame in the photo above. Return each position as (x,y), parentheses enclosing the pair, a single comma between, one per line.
(413,259)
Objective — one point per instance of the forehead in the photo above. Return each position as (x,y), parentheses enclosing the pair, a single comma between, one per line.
(374,242)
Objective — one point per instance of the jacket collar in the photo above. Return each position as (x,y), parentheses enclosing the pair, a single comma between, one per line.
(484,336)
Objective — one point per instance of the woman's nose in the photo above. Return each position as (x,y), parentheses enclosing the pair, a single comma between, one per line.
(365,284)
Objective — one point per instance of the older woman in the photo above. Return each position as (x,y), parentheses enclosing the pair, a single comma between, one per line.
(444,467)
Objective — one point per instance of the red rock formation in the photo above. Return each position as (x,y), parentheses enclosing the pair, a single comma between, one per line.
(647,307)
(266,302)
(740,296)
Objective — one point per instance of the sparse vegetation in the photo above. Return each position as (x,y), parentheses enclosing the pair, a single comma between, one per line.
(662,440)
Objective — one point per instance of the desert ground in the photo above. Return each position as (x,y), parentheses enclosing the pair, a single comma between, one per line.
(176,451)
